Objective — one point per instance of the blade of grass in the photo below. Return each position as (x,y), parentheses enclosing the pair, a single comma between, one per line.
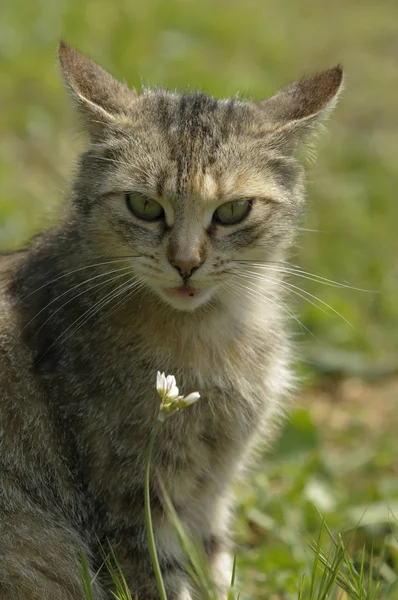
(85,576)
(148,516)
(198,566)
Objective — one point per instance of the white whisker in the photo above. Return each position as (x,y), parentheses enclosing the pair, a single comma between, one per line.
(97,285)
(108,262)
(88,314)
(273,299)
(133,290)
(293,288)
(293,270)
(71,290)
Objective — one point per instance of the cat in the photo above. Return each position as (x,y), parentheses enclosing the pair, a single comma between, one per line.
(168,259)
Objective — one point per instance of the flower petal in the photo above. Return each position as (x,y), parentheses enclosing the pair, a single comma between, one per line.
(191,398)
(172,389)
(161,384)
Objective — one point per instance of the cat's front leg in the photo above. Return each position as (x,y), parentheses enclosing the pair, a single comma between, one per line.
(180,587)
(221,564)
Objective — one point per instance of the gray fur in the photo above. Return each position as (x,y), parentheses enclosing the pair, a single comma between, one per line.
(78,365)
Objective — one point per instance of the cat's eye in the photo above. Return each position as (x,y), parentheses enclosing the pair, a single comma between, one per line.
(231,213)
(144,208)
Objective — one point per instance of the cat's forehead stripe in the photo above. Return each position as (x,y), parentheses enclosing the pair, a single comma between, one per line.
(194,126)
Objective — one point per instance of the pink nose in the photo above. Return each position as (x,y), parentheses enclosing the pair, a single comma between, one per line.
(186,266)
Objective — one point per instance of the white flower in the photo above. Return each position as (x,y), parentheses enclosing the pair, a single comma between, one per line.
(169,393)
(190,399)
(166,386)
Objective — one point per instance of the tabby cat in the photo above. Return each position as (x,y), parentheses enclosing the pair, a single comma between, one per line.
(169,258)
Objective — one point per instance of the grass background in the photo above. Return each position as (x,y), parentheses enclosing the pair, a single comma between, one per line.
(338,451)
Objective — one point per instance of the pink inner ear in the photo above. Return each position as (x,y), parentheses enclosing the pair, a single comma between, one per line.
(304,98)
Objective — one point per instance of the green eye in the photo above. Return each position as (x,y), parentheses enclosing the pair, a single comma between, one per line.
(144,208)
(231,213)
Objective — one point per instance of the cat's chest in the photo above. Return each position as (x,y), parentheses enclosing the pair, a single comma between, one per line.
(116,406)
(194,450)
(118,432)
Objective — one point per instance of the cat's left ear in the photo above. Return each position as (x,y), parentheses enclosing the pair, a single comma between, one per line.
(296,109)
(101,100)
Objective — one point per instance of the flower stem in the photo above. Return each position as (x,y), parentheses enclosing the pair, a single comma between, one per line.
(148,516)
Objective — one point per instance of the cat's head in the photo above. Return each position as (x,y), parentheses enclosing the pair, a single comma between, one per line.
(193,188)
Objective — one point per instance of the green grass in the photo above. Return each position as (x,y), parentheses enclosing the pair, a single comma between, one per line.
(337,454)
(332,464)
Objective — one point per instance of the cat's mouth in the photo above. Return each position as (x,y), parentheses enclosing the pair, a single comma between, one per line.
(186,297)
(183,291)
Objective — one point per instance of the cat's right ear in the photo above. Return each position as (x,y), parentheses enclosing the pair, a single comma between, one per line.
(101,100)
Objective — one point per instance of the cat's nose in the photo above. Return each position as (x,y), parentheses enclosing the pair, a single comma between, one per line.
(186,266)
